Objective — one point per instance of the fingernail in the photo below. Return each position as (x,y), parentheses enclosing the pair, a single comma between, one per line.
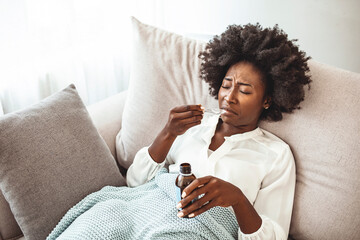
(191,215)
(180,214)
(183,195)
(178,206)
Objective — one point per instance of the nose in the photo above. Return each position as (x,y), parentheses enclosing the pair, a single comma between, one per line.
(230,97)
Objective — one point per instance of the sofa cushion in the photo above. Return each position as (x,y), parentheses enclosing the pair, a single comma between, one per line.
(51,157)
(324,137)
(165,73)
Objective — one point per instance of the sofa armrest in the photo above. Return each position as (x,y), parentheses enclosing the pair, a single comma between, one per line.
(106,116)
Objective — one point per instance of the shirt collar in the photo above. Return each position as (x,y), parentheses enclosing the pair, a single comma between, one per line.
(246,135)
(210,124)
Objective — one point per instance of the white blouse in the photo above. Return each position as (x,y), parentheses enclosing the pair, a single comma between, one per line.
(257,162)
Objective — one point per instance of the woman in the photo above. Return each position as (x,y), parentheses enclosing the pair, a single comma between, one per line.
(256,74)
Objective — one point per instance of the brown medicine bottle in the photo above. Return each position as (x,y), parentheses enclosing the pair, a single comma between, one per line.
(184,178)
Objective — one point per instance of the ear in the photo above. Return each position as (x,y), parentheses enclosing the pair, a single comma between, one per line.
(267,102)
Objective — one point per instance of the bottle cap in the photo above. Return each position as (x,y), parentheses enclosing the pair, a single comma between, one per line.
(185,168)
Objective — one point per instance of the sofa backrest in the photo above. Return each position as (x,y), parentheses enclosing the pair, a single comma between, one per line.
(325,138)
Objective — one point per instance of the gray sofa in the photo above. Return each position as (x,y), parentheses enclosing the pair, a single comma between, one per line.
(325,138)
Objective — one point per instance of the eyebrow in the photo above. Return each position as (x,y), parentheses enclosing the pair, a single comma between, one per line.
(238,83)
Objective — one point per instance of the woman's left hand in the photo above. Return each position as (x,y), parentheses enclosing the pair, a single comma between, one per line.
(216,192)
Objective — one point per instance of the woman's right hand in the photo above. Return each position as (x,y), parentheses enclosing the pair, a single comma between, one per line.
(182,118)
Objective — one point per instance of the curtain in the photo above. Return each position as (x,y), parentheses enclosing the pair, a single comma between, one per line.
(47,44)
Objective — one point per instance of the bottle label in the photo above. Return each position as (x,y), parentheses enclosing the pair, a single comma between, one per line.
(178,195)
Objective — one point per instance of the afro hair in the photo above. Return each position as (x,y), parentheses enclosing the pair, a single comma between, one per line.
(280,61)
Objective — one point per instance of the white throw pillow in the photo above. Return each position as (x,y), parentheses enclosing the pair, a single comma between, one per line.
(165,73)
(324,134)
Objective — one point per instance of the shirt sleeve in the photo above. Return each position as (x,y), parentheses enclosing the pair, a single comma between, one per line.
(274,201)
(143,169)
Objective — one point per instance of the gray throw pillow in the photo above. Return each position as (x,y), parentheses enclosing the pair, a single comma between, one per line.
(51,157)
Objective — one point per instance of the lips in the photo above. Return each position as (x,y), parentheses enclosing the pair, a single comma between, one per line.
(229,110)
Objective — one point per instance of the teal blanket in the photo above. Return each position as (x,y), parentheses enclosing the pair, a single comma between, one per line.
(144,212)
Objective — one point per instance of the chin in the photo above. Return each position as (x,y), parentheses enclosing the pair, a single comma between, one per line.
(226,119)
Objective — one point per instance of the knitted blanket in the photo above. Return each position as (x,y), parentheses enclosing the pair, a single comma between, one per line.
(144,212)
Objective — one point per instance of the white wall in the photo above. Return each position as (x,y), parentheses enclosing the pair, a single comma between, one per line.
(328,30)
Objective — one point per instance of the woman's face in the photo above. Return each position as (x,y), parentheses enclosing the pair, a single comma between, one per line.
(242,95)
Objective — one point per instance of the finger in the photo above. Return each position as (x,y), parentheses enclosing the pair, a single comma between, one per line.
(185,108)
(194,206)
(190,125)
(191,120)
(203,209)
(195,184)
(184,124)
(193,195)
(190,114)
(187,115)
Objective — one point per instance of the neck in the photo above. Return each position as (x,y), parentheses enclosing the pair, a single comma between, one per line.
(228,130)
